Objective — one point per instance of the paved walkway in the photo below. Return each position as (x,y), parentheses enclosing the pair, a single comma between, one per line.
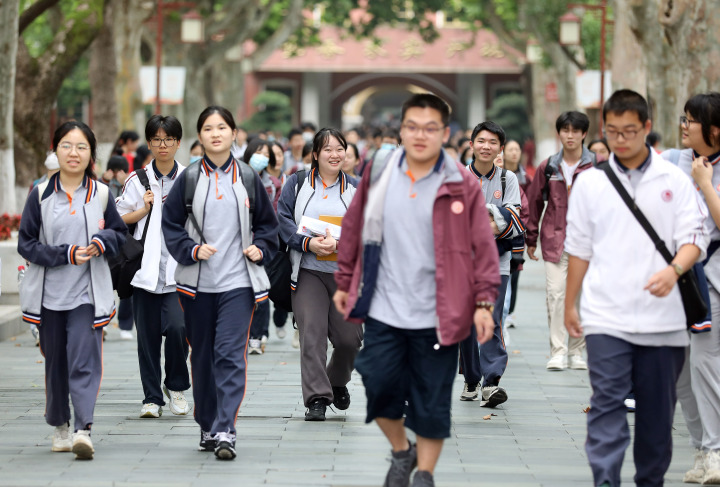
(535,439)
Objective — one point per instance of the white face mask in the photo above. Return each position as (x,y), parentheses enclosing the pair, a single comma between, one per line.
(259,162)
(307,136)
(194,159)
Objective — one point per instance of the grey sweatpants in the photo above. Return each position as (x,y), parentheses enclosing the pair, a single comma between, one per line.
(699,384)
(318,321)
(73,364)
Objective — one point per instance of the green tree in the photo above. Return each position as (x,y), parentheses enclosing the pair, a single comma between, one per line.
(274,113)
(510,111)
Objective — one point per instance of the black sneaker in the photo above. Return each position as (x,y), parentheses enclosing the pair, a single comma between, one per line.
(423,478)
(402,464)
(225,449)
(316,411)
(207,441)
(341,398)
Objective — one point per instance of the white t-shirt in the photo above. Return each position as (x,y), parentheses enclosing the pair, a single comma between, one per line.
(568,171)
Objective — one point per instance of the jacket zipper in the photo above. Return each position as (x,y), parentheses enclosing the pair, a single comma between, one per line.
(87,239)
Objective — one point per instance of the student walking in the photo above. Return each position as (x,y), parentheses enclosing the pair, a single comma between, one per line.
(418,263)
(501,191)
(156,308)
(632,314)
(220,240)
(699,384)
(553,183)
(68,226)
(324,191)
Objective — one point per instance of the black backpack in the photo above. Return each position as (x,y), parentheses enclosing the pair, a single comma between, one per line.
(517,242)
(279,269)
(128,261)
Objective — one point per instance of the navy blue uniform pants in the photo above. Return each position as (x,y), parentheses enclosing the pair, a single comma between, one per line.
(617,366)
(218,329)
(72,348)
(158,316)
(490,359)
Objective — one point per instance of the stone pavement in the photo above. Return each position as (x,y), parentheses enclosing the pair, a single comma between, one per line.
(535,439)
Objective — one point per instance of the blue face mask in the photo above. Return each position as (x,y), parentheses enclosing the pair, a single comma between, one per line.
(259,162)
(388,146)
(195,159)
(468,161)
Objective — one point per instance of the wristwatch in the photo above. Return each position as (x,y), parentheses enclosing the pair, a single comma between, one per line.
(678,269)
(485,305)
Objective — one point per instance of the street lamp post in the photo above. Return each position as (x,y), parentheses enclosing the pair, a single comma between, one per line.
(570,35)
(191,31)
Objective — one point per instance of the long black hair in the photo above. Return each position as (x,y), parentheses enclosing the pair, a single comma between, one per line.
(65,128)
(222,111)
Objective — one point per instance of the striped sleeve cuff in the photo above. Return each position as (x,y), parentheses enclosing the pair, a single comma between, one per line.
(71,255)
(195,253)
(306,244)
(99,244)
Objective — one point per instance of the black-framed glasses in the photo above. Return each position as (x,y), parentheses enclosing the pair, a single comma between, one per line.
(685,122)
(627,134)
(157,141)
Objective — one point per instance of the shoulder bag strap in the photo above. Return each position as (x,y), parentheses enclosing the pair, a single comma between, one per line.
(659,243)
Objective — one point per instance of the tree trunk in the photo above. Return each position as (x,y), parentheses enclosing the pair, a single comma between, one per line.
(680,42)
(8,47)
(38,82)
(102,74)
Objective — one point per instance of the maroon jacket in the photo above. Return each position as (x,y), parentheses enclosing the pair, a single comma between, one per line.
(552,237)
(465,253)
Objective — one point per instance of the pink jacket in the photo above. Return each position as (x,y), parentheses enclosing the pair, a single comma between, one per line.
(465,253)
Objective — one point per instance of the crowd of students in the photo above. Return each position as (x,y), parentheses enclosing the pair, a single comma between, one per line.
(433,234)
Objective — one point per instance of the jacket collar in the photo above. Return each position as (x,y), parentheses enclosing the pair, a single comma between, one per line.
(713,158)
(158,175)
(54,186)
(342,179)
(586,158)
(208,166)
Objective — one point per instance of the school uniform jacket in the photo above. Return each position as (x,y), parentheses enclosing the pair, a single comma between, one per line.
(291,208)
(467,268)
(131,200)
(602,230)
(552,236)
(183,241)
(103,226)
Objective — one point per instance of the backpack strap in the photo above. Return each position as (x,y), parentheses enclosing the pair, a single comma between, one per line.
(503,179)
(247,174)
(103,192)
(301,176)
(192,174)
(142,177)
(41,189)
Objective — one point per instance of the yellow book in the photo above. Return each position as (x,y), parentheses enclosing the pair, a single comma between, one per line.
(335,220)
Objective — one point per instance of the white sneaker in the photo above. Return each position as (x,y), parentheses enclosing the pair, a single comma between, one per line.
(469,393)
(630,405)
(280,332)
(255,347)
(695,475)
(576,362)
(296,339)
(493,396)
(150,410)
(510,321)
(82,445)
(61,439)
(557,362)
(178,403)
(126,335)
(712,468)
(263,343)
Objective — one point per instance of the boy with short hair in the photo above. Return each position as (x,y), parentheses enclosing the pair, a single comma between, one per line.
(418,265)
(553,182)
(156,307)
(632,313)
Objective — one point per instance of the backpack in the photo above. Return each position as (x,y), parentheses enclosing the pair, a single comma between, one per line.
(128,261)
(192,174)
(279,269)
(516,245)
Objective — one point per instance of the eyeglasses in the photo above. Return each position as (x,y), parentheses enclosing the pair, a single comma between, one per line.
(157,141)
(429,130)
(627,134)
(68,147)
(685,122)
